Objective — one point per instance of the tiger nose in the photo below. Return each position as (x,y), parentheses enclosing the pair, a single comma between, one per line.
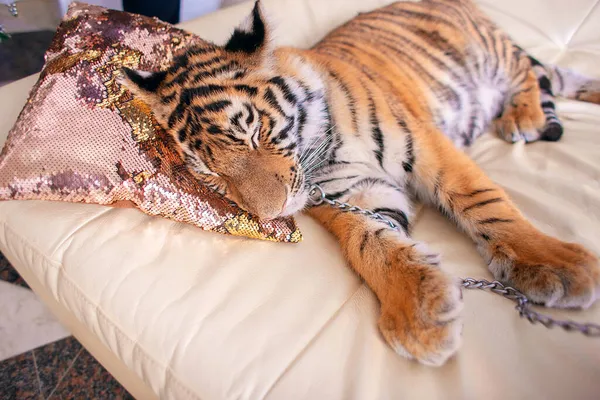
(266,213)
(267,206)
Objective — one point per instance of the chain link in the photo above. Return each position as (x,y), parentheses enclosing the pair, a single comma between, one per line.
(317,197)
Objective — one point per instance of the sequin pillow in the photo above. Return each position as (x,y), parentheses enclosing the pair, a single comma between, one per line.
(82,137)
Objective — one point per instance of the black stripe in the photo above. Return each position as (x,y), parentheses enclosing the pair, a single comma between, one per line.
(194,125)
(197,50)
(349,98)
(493,221)
(176,115)
(250,117)
(470,135)
(200,91)
(179,79)
(285,89)
(376,132)
(270,98)
(251,91)
(217,105)
(180,61)
(168,98)
(535,62)
(182,134)
(410,154)
(183,75)
(234,139)
(561,81)
(476,192)
(302,117)
(206,63)
(418,16)
(309,96)
(485,237)
(548,104)
(283,134)
(269,118)
(483,203)
(235,120)
(545,85)
(363,243)
(209,152)
(289,147)
(214,129)
(216,71)
(198,110)
(184,101)
(397,215)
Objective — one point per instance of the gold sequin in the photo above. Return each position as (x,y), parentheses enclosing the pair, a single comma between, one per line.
(83,138)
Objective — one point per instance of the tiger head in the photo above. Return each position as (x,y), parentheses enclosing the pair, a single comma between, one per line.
(236,117)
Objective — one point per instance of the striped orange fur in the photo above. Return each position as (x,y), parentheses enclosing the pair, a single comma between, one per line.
(376,114)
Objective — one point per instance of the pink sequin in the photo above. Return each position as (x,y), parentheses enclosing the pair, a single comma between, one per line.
(82,137)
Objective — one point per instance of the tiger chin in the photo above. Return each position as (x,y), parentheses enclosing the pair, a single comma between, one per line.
(376,114)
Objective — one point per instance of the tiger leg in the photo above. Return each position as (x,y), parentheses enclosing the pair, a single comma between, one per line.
(522,116)
(553,128)
(573,85)
(420,304)
(547,270)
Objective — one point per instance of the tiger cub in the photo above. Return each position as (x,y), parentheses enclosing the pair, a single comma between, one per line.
(375,114)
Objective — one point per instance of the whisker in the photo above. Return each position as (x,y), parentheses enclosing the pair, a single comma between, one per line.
(317,157)
(314,152)
(315,166)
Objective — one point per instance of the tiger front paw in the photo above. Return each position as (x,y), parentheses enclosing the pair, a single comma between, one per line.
(548,271)
(420,315)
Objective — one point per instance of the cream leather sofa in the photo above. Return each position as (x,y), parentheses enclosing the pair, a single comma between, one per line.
(177,313)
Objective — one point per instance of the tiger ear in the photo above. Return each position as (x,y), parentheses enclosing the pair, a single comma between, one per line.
(252,35)
(144,85)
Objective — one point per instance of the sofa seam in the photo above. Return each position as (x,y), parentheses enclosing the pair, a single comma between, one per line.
(99,313)
(583,20)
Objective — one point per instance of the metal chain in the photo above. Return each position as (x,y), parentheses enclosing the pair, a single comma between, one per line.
(523,307)
(317,197)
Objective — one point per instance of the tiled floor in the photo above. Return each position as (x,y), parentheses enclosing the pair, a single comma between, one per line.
(25,323)
(50,364)
(60,370)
